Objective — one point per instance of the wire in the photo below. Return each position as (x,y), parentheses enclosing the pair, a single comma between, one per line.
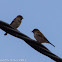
(39,47)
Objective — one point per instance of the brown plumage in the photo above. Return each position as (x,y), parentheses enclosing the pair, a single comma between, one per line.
(40,37)
(16,22)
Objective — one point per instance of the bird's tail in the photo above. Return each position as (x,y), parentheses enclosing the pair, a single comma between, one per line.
(5,34)
(51,44)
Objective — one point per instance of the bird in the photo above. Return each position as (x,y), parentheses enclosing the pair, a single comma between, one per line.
(16,22)
(40,37)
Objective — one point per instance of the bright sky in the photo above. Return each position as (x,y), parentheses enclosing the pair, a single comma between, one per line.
(45,15)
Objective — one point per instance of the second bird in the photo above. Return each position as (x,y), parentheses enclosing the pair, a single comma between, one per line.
(40,37)
(16,22)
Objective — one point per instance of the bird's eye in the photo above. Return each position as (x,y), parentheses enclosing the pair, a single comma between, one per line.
(19,20)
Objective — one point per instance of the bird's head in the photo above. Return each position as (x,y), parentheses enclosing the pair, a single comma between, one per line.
(35,30)
(19,16)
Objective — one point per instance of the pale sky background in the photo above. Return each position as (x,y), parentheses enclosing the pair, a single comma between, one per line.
(45,15)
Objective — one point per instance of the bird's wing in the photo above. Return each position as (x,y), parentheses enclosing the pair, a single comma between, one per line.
(42,36)
(12,21)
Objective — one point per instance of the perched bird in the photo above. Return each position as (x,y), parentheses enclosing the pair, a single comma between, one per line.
(16,22)
(40,37)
